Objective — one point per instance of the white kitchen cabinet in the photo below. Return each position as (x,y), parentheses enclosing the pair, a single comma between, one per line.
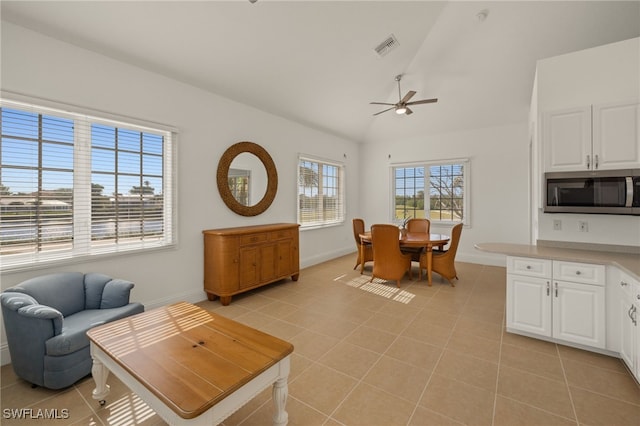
(557,299)
(629,302)
(634,317)
(598,137)
(616,135)
(578,313)
(567,139)
(528,304)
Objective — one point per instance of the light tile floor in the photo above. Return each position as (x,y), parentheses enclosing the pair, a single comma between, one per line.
(374,354)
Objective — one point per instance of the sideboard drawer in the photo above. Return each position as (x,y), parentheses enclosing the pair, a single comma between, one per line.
(529,266)
(246,240)
(281,234)
(586,273)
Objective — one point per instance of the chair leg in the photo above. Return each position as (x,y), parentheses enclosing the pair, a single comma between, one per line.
(398,283)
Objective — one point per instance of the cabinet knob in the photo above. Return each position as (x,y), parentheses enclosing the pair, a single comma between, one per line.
(624,284)
(528,266)
(578,272)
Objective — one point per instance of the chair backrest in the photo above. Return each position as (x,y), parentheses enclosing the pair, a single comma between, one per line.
(358,228)
(456,232)
(385,239)
(63,291)
(419,225)
(388,260)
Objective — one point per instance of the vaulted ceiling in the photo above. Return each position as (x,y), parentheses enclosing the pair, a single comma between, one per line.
(314,62)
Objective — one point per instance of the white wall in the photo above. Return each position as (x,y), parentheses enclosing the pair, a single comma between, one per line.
(603,74)
(499,185)
(39,66)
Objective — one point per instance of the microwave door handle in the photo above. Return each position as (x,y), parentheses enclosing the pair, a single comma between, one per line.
(629,185)
(555,196)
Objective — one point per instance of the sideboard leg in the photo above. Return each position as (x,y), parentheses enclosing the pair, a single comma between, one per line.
(225,300)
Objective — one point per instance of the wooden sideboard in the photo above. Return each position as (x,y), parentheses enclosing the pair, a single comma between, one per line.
(240,259)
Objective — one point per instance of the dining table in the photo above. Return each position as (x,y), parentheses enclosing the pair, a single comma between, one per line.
(426,241)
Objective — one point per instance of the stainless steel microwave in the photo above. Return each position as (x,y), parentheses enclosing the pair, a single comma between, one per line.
(599,192)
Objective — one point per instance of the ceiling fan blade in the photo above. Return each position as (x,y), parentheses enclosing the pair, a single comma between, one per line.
(424,101)
(408,96)
(408,111)
(388,109)
(380,103)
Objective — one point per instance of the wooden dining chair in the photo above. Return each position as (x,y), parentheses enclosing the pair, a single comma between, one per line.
(443,263)
(389,263)
(364,251)
(417,225)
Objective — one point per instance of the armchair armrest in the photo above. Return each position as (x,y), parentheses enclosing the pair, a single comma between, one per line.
(43,313)
(116,294)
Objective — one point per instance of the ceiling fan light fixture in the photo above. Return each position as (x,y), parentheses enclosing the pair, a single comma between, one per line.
(401,110)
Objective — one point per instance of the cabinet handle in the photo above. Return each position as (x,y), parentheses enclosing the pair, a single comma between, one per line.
(588,161)
(623,283)
(556,284)
(633,315)
(596,162)
(547,288)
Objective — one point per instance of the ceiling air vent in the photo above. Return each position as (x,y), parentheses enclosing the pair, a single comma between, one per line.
(386,46)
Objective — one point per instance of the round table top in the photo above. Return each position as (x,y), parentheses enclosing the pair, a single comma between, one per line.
(416,239)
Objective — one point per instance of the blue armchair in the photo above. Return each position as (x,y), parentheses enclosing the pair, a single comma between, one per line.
(46,320)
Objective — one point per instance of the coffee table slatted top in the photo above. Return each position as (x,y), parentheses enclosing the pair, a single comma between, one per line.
(190,358)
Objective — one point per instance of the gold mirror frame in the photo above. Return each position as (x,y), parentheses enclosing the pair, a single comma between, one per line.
(223,183)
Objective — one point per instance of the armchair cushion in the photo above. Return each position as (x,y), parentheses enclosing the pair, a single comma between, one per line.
(115,294)
(73,336)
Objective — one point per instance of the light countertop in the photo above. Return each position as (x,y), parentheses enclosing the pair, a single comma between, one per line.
(629,263)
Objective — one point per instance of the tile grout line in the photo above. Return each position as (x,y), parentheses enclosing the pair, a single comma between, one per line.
(566,381)
(426,385)
(495,396)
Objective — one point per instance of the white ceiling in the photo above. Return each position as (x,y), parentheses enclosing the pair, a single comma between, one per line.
(313,61)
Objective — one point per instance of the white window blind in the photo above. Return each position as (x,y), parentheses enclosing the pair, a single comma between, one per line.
(74,185)
(320,192)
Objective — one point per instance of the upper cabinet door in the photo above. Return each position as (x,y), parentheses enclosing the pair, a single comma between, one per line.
(567,139)
(616,135)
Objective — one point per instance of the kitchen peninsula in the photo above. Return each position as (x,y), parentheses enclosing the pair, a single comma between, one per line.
(583,298)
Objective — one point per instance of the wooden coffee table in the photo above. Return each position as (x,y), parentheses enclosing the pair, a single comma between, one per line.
(189,365)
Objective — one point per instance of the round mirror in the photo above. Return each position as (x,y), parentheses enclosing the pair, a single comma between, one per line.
(247,178)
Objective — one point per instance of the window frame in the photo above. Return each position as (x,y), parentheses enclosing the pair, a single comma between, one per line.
(341,210)
(82,248)
(466,201)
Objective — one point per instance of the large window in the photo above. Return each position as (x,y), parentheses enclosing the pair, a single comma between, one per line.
(73,185)
(320,192)
(437,191)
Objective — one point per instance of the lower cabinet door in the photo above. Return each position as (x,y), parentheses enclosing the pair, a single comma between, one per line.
(627,332)
(636,331)
(578,313)
(529,304)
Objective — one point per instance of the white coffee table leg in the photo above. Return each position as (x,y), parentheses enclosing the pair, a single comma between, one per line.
(100,374)
(280,392)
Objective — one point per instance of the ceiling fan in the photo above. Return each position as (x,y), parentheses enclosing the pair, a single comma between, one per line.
(402,106)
